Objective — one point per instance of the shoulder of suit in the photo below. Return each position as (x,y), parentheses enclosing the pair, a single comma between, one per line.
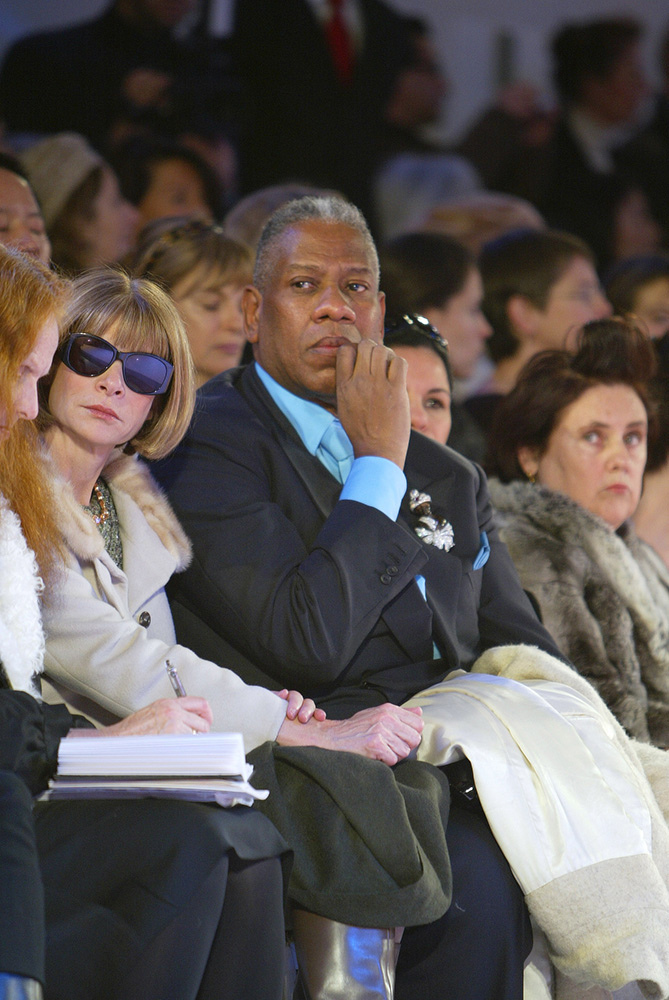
(431,456)
(231,404)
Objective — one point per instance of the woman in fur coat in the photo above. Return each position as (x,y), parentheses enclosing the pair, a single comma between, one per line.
(569,453)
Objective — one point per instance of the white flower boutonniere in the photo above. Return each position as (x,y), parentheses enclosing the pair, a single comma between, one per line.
(433,530)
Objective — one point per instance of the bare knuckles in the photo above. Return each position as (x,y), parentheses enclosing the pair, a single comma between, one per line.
(167,715)
(372,400)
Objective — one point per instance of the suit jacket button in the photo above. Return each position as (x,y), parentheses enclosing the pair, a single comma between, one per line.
(144,619)
(386,578)
(392,570)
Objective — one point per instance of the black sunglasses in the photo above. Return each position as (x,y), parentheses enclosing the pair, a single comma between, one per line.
(88,355)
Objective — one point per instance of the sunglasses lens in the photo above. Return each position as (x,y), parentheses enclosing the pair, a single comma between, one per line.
(89,355)
(146,374)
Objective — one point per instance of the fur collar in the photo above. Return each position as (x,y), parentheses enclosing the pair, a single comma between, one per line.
(21,635)
(126,475)
(620,557)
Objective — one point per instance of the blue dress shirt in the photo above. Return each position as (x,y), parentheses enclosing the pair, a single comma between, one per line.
(374,481)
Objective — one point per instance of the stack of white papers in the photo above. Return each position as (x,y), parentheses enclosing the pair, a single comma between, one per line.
(209,767)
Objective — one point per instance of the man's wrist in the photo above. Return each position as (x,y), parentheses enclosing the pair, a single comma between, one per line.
(293,733)
(376,482)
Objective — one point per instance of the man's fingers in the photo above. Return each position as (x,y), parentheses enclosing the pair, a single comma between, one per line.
(345,362)
(374,359)
(397,370)
(411,718)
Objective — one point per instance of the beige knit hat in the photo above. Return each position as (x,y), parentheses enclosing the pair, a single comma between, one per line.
(56,167)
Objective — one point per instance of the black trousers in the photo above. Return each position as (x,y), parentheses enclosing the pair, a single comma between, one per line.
(21,896)
(147,898)
(478,948)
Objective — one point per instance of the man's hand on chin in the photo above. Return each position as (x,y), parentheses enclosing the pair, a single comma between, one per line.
(372,400)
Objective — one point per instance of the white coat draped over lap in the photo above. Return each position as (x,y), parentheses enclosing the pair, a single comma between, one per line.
(568,799)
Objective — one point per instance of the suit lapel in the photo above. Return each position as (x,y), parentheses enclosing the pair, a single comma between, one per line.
(444,570)
(408,616)
(322,487)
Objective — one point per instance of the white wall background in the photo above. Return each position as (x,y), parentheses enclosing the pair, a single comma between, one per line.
(467,34)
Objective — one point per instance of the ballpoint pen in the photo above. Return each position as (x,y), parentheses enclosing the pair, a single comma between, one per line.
(175,680)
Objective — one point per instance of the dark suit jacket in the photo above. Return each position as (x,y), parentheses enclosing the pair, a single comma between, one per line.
(292,587)
(298,121)
(82,69)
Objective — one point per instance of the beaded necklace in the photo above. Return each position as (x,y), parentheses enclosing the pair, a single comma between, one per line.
(103,512)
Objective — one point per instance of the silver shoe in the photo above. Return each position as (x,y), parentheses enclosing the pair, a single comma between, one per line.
(340,962)
(19,988)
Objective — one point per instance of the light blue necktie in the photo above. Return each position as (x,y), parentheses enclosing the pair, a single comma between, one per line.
(335,451)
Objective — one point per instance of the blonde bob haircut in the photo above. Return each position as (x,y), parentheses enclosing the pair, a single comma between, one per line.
(138,316)
(173,250)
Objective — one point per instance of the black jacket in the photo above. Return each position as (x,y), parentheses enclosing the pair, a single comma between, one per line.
(289,586)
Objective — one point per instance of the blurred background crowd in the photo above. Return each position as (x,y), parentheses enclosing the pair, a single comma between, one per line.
(511,162)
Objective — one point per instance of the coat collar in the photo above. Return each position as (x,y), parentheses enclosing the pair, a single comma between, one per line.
(129,477)
(322,487)
(621,558)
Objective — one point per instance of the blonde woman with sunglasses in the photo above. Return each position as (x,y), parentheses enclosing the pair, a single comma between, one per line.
(121,386)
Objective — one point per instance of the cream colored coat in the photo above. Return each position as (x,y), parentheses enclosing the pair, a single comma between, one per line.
(99,659)
(578,808)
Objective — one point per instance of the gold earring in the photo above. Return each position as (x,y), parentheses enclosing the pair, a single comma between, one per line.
(532,477)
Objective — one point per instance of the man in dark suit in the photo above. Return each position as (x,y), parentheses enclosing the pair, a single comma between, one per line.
(296,580)
(125,71)
(309,112)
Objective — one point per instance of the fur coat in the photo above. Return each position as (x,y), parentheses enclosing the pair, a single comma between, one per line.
(21,635)
(604,596)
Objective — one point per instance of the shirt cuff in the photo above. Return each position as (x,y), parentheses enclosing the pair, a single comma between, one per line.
(377,482)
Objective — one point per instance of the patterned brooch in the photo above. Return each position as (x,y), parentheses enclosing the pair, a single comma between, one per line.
(433,530)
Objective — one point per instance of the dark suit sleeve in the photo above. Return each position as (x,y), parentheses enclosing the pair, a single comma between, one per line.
(297,596)
(30,732)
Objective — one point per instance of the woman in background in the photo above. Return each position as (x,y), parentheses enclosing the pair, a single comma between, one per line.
(639,287)
(436,277)
(163,179)
(204,272)
(429,375)
(87,219)
(569,452)
(21,222)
